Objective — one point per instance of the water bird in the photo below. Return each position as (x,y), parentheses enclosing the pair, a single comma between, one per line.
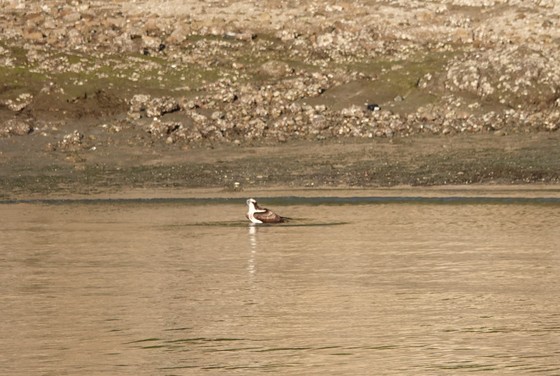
(256,214)
(373,107)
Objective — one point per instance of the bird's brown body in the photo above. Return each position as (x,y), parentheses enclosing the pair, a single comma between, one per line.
(257,214)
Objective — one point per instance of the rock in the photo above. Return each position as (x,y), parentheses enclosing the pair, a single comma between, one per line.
(72,17)
(319,122)
(21,102)
(152,43)
(325,40)
(138,103)
(244,36)
(352,112)
(153,107)
(115,23)
(178,36)
(161,106)
(75,37)
(17,127)
(198,118)
(159,128)
(152,26)
(276,69)
(71,142)
(33,36)
(217,115)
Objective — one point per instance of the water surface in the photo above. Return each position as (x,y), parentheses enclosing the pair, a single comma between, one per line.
(349,287)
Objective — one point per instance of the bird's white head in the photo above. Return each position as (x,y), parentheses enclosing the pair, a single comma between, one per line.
(251,202)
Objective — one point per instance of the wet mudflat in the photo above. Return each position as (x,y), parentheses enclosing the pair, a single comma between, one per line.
(377,286)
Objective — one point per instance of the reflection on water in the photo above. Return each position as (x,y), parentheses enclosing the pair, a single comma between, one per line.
(252,265)
(166,288)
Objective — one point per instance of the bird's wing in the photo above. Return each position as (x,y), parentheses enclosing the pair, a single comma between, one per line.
(267,216)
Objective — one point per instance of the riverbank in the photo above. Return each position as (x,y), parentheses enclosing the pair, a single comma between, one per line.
(231,95)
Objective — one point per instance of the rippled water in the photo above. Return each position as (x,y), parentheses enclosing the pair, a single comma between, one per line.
(349,287)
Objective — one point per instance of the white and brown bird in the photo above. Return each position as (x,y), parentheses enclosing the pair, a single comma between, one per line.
(256,214)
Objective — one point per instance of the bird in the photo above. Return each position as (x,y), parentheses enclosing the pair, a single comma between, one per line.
(373,107)
(256,214)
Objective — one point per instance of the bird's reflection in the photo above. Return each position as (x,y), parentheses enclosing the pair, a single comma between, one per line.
(252,265)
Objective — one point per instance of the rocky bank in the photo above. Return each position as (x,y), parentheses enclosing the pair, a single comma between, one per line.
(81,77)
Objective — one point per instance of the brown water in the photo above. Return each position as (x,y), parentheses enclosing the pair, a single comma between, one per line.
(348,288)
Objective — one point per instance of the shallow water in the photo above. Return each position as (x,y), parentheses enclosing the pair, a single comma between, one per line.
(348,287)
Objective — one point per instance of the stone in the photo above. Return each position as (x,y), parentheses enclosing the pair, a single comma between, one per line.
(178,36)
(276,69)
(18,127)
(20,103)
(72,17)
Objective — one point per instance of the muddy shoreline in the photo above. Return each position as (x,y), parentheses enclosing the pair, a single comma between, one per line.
(105,97)
(457,194)
(418,162)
